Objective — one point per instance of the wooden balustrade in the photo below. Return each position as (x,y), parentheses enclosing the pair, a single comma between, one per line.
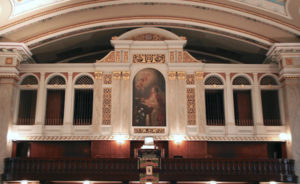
(171,169)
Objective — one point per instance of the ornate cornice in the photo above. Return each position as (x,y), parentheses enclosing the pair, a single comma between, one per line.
(278,50)
(19,49)
(157,137)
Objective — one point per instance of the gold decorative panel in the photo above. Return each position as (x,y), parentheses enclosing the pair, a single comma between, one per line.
(9,61)
(190,79)
(149,130)
(107,78)
(106,109)
(117,75)
(199,75)
(149,58)
(126,75)
(172,75)
(191,106)
(98,75)
(109,58)
(187,58)
(181,75)
(148,37)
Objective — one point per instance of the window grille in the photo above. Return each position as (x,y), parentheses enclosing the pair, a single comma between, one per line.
(214,105)
(29,80)
(267,80)
(270,104)
(57,80)
(241,81)
(27,106)
(213,80)
(84,80)
(83,107)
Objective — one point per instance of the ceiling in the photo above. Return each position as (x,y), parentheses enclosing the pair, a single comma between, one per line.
(217,31)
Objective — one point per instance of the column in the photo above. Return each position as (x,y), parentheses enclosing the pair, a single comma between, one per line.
(97,102)
(257,105)
(287,55)
(116,99)
(69,103)
(41,101)
(181,103)
(200,102)
(171,98)
(11,54)
(229,107)
(125,103)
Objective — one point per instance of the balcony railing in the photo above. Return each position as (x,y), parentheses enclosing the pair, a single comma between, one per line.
(281,170)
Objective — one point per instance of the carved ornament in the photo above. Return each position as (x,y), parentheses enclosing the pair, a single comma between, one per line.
(172,75)
(199,75)
(181,75)
(117,75)
(125,75)
(98,75)
(149,58)
(149,130)
(148,37)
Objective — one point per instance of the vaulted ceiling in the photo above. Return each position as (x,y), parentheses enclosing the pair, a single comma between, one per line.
(217,31)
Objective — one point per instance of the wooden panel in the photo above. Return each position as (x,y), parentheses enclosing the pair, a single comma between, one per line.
(110,149)
(188,149)
(237,150)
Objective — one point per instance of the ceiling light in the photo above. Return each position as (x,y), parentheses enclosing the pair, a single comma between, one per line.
(178,139)
(212,182)
(120,138)
(284,136)
(24,182)
(86,182)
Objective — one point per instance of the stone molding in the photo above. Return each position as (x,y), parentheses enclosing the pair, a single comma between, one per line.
(278,50)
(19,49)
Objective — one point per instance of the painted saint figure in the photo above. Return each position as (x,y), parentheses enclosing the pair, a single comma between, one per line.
(149,99)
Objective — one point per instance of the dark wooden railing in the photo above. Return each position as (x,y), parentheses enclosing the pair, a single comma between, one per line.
(281,170)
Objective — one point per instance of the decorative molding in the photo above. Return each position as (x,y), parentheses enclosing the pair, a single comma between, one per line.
(172,75)
(116,75)
(156,137)
(109,58)
(98,75)
(107,78)
(148,58)
(181,75)
(9,60)
(199,75)
(126,57)
(190,79)
(10,76)
(106,110)
(278,50)
(118,56)
(19,49)
(191,106)
(172,57)
(187,58)
(149,130)
(179,55)
(126,75)
(148,37)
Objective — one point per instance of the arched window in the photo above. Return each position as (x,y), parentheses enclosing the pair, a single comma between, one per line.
(27,101)
(214,101)
(242,101)
(55,100)
(270,101)
(83,101)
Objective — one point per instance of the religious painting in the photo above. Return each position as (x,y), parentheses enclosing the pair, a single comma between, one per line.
(149,99)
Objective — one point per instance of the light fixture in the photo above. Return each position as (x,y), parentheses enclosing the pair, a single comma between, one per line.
(148,143)
(148,182)
(86,182)
(273,182)
(13,135)
(178,139)
(120,139)
(212,182)
(24,182)
(284,136)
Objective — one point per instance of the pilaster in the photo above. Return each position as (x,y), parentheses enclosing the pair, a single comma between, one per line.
(11,54)
(287,55)
(171,99)
(68,115)
(97,102)
(257,105)
(116,100)
(200,101)
(229,106)
(181,106)
(125,101)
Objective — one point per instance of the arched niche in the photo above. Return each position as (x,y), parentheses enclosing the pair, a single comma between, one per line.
(149,98)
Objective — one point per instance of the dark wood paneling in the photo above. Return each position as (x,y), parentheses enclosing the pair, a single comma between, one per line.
(110,149)
(188,149)
(237,150)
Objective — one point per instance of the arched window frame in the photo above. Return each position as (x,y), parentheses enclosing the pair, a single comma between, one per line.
(53,87)
(81,86)
(243,87)
(22,87)
(215,87)
(277,88)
